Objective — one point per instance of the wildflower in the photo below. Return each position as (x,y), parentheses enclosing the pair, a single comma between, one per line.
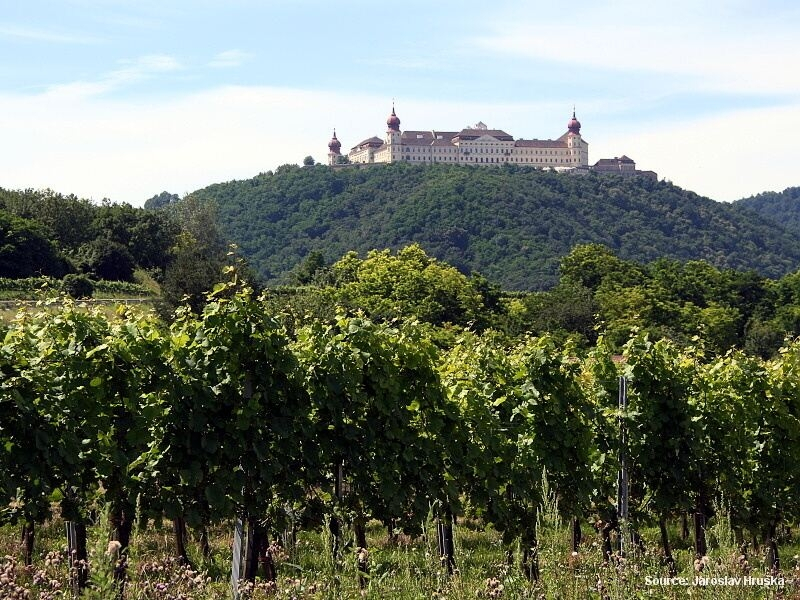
(113,548)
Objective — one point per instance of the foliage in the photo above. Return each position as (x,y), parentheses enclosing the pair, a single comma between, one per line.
(231,432)
(600,292)
(513,224)
(662,424)
(77,286)
(197,258)
(379,411)
(501,476)
(106,240)
(25,250)
(104,259)
(226,412)
(161,200)
(408,284)
(146,235)
(311,268)
(781,208)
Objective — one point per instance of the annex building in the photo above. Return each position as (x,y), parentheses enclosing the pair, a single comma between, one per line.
(476,145)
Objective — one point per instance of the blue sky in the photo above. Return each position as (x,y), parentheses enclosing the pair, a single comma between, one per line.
(105,98)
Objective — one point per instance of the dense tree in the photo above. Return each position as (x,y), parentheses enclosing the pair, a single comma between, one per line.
(161,200)
(407,284)
(310,268)
(781,208)
(85,233)
(147,236)
(77,285)
(567,309)
(197,258)
(66,219)
(513,225)
(593,264)
(25,250)
(106,259)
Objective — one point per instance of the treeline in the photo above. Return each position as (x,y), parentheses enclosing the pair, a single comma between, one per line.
(512,224)
(781,208)
(239,411)
(601,293)
(597,294)
(176,243)
(47,233)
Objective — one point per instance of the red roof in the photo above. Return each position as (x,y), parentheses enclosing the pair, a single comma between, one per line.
(540,144)
(334,145)
(393,121)
(372,142)
(574,126)
(473,134)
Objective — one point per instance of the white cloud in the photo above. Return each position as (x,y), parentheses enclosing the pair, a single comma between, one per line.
(98,146)
(44,35)
(131,71)
(413,64)
(713,48)
(725,157)
(128,150)
(229,59)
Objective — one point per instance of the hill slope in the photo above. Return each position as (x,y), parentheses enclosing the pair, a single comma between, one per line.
(511,224)
(779,207)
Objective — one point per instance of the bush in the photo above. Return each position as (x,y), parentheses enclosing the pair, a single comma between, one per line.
(77,286)
(106,259)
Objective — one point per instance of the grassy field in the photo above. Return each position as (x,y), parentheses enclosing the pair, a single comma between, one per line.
(408,568)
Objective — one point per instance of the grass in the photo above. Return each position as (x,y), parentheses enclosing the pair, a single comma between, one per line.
(408,568)
(10,308)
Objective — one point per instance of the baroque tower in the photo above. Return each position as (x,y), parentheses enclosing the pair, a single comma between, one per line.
(334,150)
(577,148)
(393,136)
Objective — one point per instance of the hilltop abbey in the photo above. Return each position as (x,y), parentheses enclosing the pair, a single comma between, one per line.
(478,145)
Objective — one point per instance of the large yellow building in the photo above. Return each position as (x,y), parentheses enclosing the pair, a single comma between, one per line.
(477,145)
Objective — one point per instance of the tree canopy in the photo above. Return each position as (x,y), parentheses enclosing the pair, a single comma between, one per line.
(512,224)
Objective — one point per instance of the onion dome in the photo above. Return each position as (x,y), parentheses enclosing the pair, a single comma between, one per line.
(334,145)
(574,126)
(393,121)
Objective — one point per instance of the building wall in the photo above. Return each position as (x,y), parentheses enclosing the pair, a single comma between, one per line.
(568,152)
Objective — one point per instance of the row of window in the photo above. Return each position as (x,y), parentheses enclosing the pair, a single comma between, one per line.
(425,150)
(489,159)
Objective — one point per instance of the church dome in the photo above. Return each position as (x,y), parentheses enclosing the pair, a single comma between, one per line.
(574,126)
(393,121)
(334,145)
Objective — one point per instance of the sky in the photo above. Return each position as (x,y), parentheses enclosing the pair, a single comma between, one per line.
(126,99)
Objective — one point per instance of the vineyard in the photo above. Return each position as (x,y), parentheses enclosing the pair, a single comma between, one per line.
(232,419)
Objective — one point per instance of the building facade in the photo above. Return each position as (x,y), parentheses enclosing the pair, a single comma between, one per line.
(621,165)
(477,145)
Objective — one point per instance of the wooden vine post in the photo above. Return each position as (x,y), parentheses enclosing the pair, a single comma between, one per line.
(243,547)
(242,552)
(444,531)
(622,480)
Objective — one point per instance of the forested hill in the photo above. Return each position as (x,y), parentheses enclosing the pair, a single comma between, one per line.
(511,224)
(779,207)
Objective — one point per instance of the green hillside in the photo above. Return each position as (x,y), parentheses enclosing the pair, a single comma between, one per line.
(779,207)
(511,224)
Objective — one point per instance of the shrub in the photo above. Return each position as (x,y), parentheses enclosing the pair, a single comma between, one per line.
(77,286)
